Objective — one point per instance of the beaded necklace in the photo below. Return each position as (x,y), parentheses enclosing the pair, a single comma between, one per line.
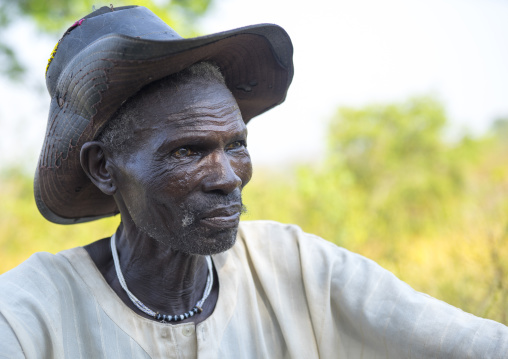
(162,317)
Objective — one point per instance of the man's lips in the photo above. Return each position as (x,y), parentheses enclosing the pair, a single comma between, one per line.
(222,217)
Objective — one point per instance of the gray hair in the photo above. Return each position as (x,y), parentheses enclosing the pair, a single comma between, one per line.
(118,130)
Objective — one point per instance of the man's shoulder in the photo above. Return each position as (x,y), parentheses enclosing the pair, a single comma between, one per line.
(39,276)
(266,229)
(280,244)
(38,263)
(263,231)
(274,239)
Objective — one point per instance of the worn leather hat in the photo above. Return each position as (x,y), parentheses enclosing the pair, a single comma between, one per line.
(107,57)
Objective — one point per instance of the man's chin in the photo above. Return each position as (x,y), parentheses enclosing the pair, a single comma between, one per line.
(198,241)
(212,243)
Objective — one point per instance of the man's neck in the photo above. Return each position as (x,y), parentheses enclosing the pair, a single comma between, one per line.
(166,281)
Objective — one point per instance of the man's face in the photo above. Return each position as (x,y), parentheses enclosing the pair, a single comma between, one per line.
(181,178)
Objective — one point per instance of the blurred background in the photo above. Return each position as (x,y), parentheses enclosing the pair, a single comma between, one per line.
(393,140)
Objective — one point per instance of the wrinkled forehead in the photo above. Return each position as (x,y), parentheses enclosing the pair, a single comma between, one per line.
(178,105)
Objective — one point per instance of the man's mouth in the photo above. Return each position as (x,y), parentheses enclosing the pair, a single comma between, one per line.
(222,217)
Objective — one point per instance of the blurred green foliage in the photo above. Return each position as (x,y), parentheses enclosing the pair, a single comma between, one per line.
(54,16)
(390,187)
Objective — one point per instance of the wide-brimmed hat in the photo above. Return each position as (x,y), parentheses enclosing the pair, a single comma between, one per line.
(106,58)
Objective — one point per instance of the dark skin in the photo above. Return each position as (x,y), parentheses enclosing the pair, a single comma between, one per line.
(178,188)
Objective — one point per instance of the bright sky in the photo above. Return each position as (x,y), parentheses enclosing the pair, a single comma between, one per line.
(346,53)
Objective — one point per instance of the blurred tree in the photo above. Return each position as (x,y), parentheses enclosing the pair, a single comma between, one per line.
(54,16)
(500,127)
(388,175)
(399,161)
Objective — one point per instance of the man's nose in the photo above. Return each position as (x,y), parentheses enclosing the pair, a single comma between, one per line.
(220,176)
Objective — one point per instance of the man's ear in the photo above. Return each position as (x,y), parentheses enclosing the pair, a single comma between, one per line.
(93,161)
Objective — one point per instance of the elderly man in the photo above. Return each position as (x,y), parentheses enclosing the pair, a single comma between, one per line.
(152,126)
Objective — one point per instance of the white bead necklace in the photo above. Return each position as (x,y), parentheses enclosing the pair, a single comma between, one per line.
(162,317)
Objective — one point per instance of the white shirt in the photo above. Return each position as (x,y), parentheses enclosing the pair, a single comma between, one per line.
(283,294)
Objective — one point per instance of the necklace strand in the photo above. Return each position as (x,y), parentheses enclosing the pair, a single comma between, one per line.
(162,317)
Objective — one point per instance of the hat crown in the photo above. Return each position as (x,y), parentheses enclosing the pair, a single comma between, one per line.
(133,21)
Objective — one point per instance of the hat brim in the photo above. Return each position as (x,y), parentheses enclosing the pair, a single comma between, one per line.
(256,62)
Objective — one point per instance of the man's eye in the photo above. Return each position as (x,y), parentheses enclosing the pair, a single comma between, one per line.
(182,152)
(235,145)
